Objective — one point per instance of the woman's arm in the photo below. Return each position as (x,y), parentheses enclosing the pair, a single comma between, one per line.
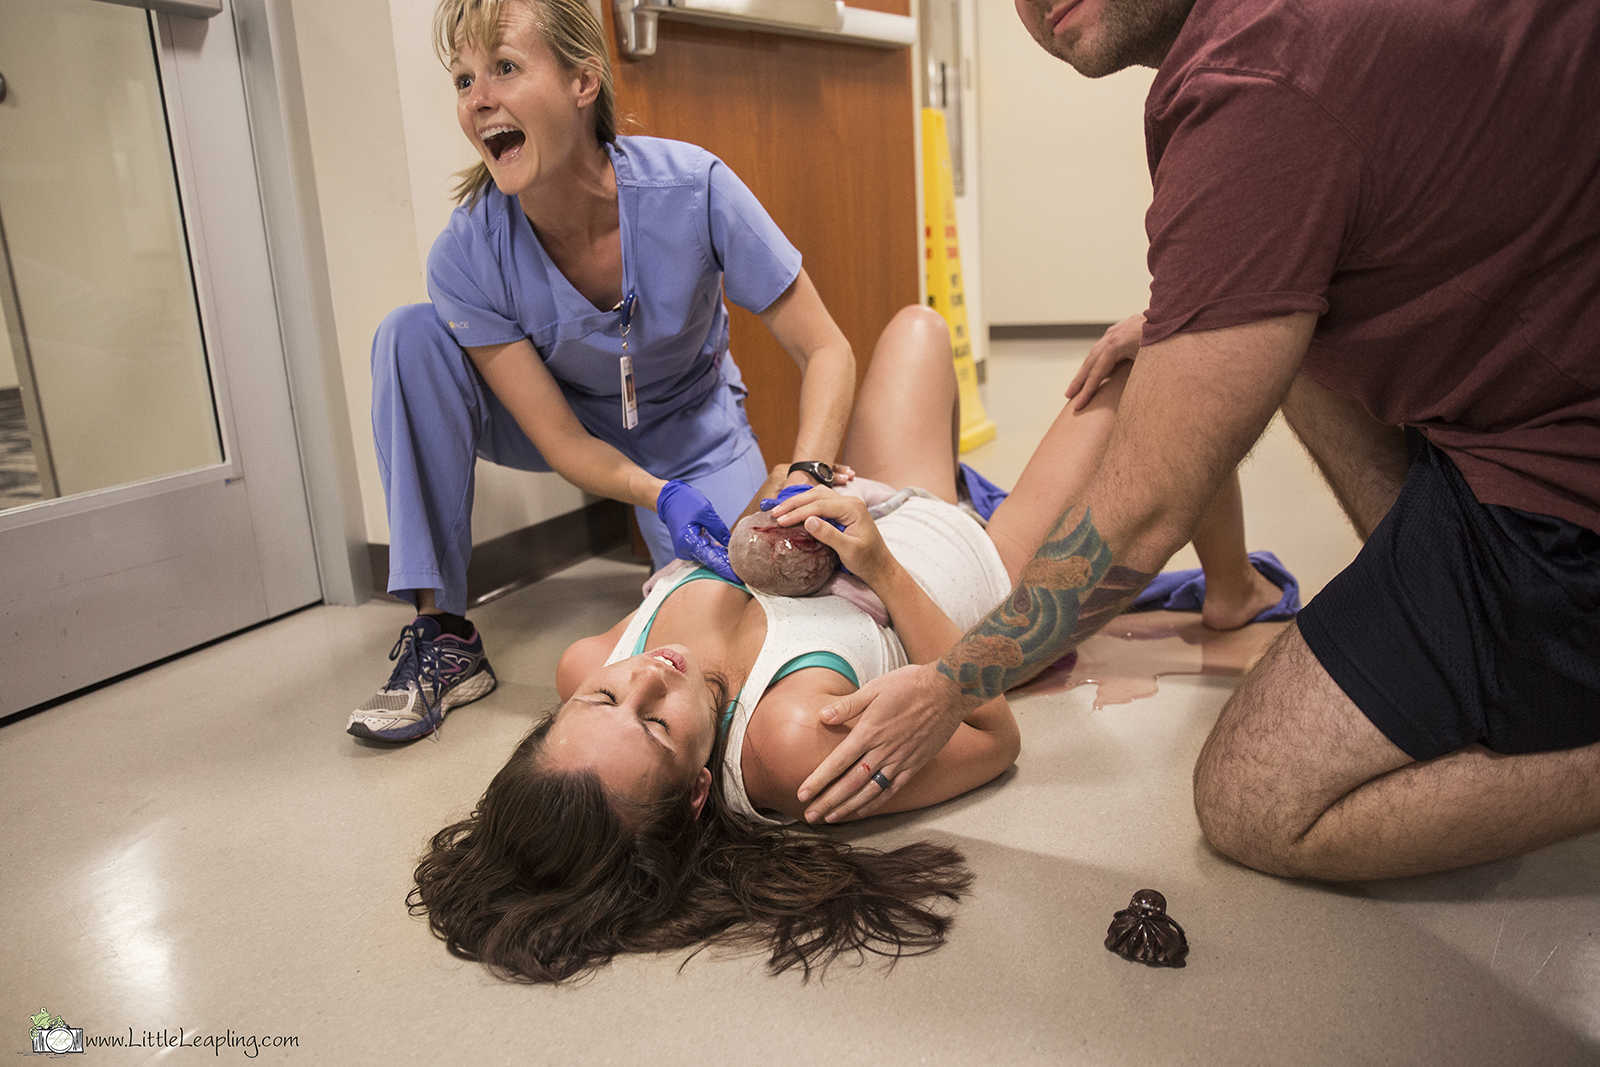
(529,391)
(801,324)
(787,735)
(785,741)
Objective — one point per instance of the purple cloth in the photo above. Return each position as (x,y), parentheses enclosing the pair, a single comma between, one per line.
(1186,590)
(984,494)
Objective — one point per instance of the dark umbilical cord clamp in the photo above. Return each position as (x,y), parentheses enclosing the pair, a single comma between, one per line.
(1143,932)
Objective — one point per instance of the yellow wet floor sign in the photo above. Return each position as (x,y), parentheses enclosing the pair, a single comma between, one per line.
(943,261)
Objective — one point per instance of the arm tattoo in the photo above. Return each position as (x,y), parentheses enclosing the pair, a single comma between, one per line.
(1066,592)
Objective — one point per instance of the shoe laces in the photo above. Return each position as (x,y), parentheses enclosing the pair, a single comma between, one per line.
(417,667)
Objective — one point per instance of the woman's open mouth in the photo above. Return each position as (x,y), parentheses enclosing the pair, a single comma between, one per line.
(671,657)
(502,141)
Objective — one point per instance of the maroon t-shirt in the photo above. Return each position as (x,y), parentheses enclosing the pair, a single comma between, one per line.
(1424,175)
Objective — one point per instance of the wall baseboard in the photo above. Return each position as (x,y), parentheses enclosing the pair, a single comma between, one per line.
(522,557)
(1043,331)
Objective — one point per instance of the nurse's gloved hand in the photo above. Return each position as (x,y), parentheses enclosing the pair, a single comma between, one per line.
(698,532)
(770,502)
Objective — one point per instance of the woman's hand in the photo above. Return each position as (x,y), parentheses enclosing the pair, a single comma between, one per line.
(1118,343)
(823,512)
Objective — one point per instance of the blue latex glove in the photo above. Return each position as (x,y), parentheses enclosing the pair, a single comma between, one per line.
(698,532)
(770,502)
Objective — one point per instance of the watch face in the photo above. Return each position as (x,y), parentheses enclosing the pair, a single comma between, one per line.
(816,468)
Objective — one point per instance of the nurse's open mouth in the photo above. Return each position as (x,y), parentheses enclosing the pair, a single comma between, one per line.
(502,139)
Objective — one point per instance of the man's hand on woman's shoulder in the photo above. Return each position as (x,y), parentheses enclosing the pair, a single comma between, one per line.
(898,723)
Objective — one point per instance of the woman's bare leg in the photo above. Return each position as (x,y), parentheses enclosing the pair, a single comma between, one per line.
(1235,591)
(900,429)
(1056,476)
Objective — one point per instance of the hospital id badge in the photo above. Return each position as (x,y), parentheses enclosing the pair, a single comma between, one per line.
(630,400)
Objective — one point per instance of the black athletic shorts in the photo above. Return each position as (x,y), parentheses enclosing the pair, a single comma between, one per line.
(1465,623)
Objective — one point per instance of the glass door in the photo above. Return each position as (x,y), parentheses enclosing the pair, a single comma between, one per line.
(150,490)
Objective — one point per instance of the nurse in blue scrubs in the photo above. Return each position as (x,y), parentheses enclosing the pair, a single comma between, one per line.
(577,324)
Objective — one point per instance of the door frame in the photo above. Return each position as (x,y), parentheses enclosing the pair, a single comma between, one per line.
(107,581)
(275,103)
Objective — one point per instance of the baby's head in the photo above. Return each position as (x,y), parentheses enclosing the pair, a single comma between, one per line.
(780,560)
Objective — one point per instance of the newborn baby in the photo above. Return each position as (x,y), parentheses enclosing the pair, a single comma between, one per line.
(780,560)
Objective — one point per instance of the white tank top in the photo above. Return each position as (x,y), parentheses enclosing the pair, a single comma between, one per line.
(942,547)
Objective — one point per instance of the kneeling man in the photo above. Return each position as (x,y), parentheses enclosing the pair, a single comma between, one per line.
(1384,218)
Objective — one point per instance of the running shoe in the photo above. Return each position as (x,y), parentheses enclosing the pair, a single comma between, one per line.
(434,672)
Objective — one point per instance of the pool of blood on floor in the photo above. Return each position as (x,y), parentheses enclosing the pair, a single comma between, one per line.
(1126,660)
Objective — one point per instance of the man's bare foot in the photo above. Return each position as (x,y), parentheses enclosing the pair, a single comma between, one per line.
(1229,605)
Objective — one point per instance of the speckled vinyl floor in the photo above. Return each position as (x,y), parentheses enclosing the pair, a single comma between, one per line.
(201,848)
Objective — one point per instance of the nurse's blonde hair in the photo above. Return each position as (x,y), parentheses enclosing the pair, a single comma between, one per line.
(571,29)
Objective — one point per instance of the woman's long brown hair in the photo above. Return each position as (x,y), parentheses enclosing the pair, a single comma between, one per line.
(546,881)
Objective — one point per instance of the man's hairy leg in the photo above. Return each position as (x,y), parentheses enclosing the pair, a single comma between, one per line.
(1362,459)
(1295,780)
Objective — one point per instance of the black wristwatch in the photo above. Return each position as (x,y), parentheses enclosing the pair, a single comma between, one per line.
(816,468)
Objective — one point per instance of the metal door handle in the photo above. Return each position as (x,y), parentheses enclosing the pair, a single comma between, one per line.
(832,19)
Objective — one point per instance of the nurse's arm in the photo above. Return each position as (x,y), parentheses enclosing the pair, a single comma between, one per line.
(802,325)
(529,391)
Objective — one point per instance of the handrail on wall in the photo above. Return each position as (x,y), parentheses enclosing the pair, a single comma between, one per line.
(832,19)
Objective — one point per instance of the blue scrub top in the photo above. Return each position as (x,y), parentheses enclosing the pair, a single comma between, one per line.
(691,230)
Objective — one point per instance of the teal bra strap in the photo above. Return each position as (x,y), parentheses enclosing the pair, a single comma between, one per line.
(693,576)
(831,660)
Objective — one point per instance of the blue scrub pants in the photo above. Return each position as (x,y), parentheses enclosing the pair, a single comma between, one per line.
(432,415)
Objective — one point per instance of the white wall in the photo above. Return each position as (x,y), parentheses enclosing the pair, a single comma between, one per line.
(1064,183)
(384,145)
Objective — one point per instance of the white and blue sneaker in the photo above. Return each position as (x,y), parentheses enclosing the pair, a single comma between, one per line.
(434,672)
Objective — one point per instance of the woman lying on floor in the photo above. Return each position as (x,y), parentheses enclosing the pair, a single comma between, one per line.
(652,809)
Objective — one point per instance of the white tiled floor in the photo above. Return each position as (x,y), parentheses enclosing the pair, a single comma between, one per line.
(202,847)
